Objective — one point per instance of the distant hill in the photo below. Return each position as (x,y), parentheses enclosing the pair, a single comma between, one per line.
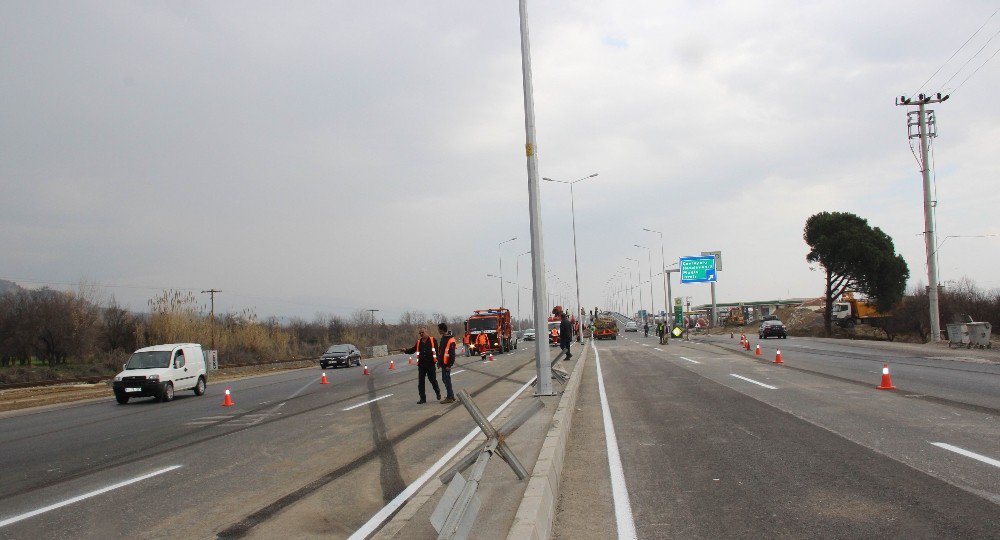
(8,286)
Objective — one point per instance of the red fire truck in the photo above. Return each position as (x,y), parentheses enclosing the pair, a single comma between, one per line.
(488,330)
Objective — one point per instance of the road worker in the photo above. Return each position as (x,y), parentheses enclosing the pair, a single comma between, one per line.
(426,350)
(445,358)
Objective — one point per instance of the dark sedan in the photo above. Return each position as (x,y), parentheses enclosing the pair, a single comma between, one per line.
(341,355)
(772,329)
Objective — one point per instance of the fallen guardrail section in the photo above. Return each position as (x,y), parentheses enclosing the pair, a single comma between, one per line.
(455,513)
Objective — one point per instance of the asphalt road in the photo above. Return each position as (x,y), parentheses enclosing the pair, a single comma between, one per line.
(714,442)
(292,458)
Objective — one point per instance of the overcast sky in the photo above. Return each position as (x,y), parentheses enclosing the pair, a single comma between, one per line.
(309,157)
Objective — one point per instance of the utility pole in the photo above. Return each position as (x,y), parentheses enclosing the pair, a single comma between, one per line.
(543,365)
(925,123)
(211,319)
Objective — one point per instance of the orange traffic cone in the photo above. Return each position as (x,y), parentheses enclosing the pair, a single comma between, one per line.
(777,358)
(491,357)
(411,360)
(228,402)
(886,379)
(392,364)
(757,352)
(366,370)
(746,344)
(322,380)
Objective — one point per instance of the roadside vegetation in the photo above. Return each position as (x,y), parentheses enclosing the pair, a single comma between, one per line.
(48,335)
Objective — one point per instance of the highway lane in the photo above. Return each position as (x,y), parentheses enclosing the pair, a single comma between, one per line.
(287,438)
(718,444)
(928,374)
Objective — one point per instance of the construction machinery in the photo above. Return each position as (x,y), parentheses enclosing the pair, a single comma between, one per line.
(605,327)
(735,317)
(489,330)
(851,311)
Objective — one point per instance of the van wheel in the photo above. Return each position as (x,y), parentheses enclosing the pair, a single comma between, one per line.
(168,392)
(199,389)
(122,399)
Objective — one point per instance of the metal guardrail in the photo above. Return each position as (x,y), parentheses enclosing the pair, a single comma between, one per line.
(455,513)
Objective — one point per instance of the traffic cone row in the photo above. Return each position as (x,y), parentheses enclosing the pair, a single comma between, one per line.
(228,402)
(322,380)
(886,379)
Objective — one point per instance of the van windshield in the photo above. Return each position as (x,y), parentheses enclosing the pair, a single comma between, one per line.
(148,359)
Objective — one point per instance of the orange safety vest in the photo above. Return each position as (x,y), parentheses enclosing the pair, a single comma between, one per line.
(447,345)
(433,350)
(481,339)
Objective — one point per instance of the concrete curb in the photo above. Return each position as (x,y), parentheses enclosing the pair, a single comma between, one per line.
(537,511)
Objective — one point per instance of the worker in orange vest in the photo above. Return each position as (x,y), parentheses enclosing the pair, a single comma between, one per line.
(482,344)
(446,357)
(426,350)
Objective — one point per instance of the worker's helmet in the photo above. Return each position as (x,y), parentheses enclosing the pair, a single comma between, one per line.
(557,310)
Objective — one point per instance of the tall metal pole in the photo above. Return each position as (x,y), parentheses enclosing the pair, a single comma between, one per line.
(638,279)
(929,241)
(576,263)
(500,256)
(211,320)
(925,130)
(649,259)
(543,365)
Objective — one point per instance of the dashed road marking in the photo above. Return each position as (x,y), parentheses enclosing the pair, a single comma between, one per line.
(689,360)
(366,402)
(755,382)
(966,453)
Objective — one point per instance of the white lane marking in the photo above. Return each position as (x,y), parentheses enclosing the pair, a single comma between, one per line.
(657,349)
(755,382)
(623,508)
(366,402)
(645,345)
(453,373)
(79,498)
(966,453)
(689,360)
(388,510)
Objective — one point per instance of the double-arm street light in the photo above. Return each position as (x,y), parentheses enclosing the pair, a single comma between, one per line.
(572,203)
(649,258)
(517,278)
(500,255)
(663,263)
(638,279)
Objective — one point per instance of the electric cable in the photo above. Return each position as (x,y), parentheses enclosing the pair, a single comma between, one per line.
(971,58)
(956,52)
(976,71)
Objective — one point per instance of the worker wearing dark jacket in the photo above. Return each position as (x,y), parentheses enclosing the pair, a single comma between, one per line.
(445,358)
(426,349)
(565,332)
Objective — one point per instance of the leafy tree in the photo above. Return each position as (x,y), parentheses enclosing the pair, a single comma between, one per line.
(856,257)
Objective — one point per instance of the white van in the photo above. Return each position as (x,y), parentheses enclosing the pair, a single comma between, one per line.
(161,370)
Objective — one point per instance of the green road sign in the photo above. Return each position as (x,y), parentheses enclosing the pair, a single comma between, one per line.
(698,269)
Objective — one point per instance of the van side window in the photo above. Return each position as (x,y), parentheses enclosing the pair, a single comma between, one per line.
(179,359)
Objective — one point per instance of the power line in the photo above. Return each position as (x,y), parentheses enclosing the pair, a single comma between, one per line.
(976,71)
(971,58)
(956,52)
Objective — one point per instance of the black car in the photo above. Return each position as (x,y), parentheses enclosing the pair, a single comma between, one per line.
(772,329)
(341,355)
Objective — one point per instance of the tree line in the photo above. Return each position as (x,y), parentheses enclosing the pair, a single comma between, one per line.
(50,334)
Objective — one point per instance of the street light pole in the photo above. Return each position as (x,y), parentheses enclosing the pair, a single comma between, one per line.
(638,279)
(572,203)
(663,263)
(517,278)
(500,256)
(649,258)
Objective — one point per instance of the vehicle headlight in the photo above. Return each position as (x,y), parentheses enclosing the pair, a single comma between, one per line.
(472,347)
(153,378)
(118,377)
